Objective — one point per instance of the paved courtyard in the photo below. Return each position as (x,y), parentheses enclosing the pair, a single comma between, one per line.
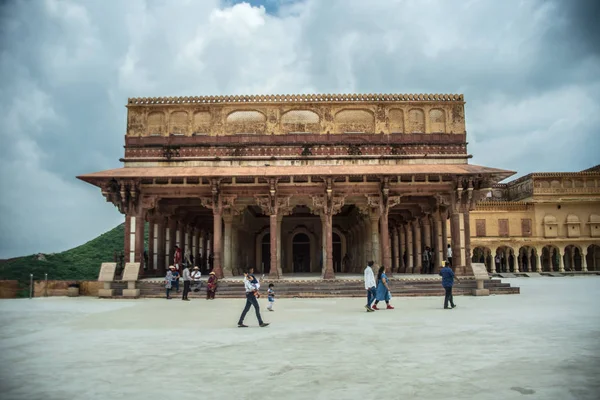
(541,344)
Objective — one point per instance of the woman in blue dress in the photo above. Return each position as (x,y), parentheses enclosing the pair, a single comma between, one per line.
(382,292)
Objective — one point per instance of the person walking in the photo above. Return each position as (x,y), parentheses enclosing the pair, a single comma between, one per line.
(426,260)
(211,286)
(449,255)
(169,281)
(187,282)
(447,282)
(271,297)
(251,301)
(383,290)
(370,285)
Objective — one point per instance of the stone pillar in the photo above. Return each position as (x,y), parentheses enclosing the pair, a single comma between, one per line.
(396,248)
(529,254)
(328,271)
(375,244)
(538,260)
(217,239)
(160,247)
(274,268)
(235,247)
(204,238)
(181,239)
(278,247)
(517,267)
(401,248)
(410,267)
(418,265)
(572,259)
(456,231)
(140,224)
(583,259)
(151,247)
(385,241)
(466,239)
(172,240)
(444,225)
(438,254)
(129,240)
(227,248)
(561,264)
(426,230)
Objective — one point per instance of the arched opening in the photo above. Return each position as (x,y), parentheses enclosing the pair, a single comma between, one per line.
(337,252)
(301,253)
(572,258)
(550,259)
(483,255)
(527,259)
(593,258)
(504,260)
(266,254)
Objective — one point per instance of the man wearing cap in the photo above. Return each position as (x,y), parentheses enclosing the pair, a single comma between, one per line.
(250,301)
(196,274)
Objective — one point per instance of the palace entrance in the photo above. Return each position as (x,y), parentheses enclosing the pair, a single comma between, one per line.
(301,253)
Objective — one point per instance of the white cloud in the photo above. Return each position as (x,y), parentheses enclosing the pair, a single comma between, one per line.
(67,68)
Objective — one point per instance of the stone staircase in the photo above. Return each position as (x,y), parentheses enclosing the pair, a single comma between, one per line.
(233,288)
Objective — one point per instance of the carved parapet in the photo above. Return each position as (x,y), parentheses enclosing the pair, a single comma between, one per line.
(274,205)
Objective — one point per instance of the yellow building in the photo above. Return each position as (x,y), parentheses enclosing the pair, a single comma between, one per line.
(541,222)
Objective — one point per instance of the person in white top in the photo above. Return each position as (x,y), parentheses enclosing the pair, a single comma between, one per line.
(251,301)
(370,285)
(187,282)
(196,274)
(449,255)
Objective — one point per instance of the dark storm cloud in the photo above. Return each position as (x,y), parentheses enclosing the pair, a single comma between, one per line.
(529,70)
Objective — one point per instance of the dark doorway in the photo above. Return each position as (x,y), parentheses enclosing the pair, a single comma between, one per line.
(301,253)
(337,252)
(265,268)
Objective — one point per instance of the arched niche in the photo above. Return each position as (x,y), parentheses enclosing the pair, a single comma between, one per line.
(354,121)
(437,120)
(594,223)
(156,123)
(396,118)
(416,121)
(201,123)
(178,123)
(245,122)
(300,121)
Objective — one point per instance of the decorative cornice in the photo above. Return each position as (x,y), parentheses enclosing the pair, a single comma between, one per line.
(294,98)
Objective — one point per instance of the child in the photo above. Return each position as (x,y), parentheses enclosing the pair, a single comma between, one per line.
(271,297)
(251,279)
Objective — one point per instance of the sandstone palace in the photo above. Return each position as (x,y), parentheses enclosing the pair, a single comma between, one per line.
(324,183)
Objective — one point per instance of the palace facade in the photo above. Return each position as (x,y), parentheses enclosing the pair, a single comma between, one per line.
(542,222)
(309,184)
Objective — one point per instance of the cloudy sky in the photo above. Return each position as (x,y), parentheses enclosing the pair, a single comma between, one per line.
(529,69)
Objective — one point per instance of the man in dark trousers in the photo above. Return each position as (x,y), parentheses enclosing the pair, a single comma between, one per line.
(251,300)
(187,281)
(447,282)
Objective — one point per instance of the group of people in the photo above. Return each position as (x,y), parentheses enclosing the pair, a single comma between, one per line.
(379,289)
(191,281)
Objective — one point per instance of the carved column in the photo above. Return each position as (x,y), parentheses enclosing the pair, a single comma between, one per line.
(278,248)
(140,224)
(217,237)
(151,247)
(444,225)
(410,267)
(418,265)
(172,240)
(374,230)
(160,247)
(467,240)
(128,243)
(572,259)
(227,244)
(538,259)
(583,259)
(327,206)
(561,265)
(204,239)
(426,230)
(367,241)
(396,248)
(402,248)
(437,235)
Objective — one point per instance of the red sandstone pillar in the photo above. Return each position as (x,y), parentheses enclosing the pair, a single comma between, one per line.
(328,272)
(444,222)
(457,261)
(418,265)
(385,240)
(160,250)
(140,224)
(273,269)
(396,248)
(172,240)
(151,248)
(217,238)
(410,261)
(467,238)
(127,239)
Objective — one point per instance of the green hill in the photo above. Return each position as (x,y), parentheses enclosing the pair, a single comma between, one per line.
(80,263)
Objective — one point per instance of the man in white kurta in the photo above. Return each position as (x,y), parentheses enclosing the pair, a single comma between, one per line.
(370,285)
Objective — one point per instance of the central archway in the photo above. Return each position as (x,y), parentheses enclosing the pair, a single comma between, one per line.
(301,253)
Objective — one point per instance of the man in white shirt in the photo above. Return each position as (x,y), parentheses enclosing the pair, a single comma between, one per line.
(187,281)
(370,285)
(449,255)
(250,301)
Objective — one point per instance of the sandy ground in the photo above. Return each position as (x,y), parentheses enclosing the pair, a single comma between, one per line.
(541,344)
